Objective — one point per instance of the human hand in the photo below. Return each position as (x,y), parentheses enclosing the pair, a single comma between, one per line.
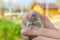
(47,33)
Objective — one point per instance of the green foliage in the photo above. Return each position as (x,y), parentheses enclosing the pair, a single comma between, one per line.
(9,30)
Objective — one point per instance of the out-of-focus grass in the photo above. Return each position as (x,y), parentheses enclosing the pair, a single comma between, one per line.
(9,30)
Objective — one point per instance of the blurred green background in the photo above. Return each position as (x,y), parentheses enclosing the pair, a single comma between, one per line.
(9,30)
(11,16)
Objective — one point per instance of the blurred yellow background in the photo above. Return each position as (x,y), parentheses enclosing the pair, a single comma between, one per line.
(11,12)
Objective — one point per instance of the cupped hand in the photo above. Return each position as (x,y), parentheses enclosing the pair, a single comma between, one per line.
(49,32)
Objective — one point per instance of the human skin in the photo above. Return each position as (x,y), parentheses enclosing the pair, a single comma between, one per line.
(49,32)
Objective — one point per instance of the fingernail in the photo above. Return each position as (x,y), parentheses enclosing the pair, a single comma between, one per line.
(25,31)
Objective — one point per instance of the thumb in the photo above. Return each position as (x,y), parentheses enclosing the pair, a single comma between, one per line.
(25,31)
(30,32)
(41,32)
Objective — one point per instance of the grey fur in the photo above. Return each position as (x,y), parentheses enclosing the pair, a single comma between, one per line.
(34,21)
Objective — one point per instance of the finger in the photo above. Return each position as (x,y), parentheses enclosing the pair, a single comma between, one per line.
(25,19)
(45,21)
(25,37)
(42,32)
(43,38)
